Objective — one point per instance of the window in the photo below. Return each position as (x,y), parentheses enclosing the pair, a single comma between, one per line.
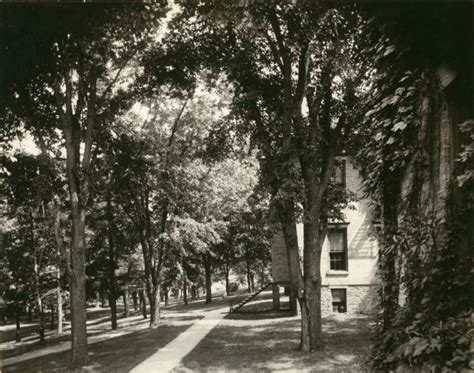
(340,172)
(339,300)
(338,249)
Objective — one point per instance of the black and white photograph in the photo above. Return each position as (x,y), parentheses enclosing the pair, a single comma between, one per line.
(237,186)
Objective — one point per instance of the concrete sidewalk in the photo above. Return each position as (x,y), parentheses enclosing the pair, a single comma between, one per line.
(169,357)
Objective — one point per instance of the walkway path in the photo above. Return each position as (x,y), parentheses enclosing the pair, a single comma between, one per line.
(169,357)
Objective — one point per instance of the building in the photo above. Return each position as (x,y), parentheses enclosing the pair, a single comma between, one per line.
(349,256)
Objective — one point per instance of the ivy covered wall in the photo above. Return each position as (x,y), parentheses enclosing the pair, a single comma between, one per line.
(418,156)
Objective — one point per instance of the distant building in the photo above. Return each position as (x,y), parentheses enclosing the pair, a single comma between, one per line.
(349,256)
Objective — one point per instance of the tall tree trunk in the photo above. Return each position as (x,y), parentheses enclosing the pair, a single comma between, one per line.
(78,179)
(249,275)
(152,279)
(111,265)
(125,301)
(276,297)
(36,269)
(62,256)
(310,303)
(293,301)
(227,270)
(143,303)
(17,320)
(185,288)
(135,300)
(60,303)
(30,313)
(39,303)
(78,287)
(207,269)
(285,212)
(155,308)
(166,291)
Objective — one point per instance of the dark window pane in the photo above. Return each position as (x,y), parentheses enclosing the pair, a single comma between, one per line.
(338,261)
(337,249)
(339,300)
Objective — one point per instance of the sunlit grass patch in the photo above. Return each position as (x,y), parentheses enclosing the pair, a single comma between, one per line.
(248,342)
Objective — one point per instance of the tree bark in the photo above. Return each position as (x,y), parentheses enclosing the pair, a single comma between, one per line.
(293,301)
(249,275)
(62,256)
(17,321)
(143,303)
(227,283)
(310,302)
(166,296)
(78,179)
(36,270)
(155,308)
(125,301)
(135,300)
(185,288)
(60,303)
(78,286)
(276,297)
(152,278)
(111,266)
(207,268)
(285,212)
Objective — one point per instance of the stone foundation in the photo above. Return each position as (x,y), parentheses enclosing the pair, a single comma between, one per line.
(359,298)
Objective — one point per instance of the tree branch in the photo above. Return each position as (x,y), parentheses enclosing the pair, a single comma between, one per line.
(303,67)
(275,52)
(176,123)
(91,119)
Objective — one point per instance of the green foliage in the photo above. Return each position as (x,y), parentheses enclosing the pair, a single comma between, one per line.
(29,247)
(465,163)
(387,139)
(426,275)
(432,328)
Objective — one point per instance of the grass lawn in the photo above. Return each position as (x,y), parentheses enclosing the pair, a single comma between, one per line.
(255,340)
(118,354)
(260,340)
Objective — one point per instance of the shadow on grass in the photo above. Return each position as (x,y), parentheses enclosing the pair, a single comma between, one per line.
(249,345)
(172,321)
(120,354)
(259,311)
(94,317)
(200,304)
(54,339)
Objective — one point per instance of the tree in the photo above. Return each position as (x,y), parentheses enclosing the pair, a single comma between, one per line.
(84,50)
(31,187)
(155,142)
(295,70)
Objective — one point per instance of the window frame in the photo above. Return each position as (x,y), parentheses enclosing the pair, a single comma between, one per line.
(339,228)
(344,303)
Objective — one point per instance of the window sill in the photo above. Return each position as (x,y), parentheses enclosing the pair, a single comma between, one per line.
(337,273)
